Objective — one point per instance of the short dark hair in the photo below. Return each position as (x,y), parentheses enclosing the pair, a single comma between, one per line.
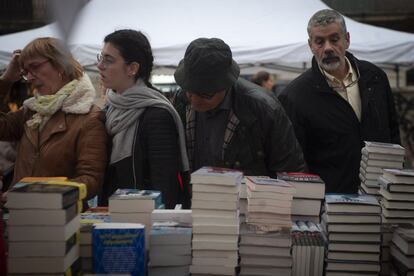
(134,46)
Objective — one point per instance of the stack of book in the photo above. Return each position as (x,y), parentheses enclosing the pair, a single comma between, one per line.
(402,251)
(310,190)
(87,220)
(170,250)
(135,206)
(352,226)
(308,249)
(215,221)
(397,196)
(269,202)
(264,253)
(43,224)
(243,200)
(376,157)
(268,219)
(387,232)
(119,248)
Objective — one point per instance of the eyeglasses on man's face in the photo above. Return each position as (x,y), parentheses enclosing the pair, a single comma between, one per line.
(32,68)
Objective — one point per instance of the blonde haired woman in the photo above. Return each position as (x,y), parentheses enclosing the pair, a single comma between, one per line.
(59,131)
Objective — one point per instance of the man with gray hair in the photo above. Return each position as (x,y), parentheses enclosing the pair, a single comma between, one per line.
(338,104)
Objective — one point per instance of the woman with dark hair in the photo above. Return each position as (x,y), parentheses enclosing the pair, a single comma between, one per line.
(148,146)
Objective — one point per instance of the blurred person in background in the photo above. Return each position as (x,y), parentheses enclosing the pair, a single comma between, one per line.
(59,131)
(264,79)
(148,143)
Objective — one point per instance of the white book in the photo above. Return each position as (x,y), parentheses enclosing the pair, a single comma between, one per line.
(168,270)
(217,237)
(268,195)
(216,220)
(215,213)
(174,249)
(44,233)
(209,196)
(215,205)
(266,261)
(213,175)
(182,217)
(387,148)
(144,218)
(170,260)
(212,245)
(382,156)
(215,229)
(226,254)
(212,269)
(306,207)
(43,265)
(211,188)
(207,261)
(42,216)
(264,251)
(41,248)
(382,163)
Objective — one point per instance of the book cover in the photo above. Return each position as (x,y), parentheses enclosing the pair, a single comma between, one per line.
(119,248)
(399,175)
(351,203)
(299,177)
(269,185)
(134,200)
(42,196)
(214,175)
(388,148)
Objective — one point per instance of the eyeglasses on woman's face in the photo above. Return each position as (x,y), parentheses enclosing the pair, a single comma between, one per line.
(32,68)
(105,60)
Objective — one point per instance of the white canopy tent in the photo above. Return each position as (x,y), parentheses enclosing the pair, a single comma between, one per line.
(259,32)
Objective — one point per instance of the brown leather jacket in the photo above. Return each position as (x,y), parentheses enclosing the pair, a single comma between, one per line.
(71,145)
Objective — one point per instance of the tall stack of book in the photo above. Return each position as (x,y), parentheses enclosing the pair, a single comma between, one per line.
(119,248)
(87,220)
(135,206)
(215,221)
(308,249)
(170,250)
(397,196)
(402,251)
(268,219)
(352,226)
(43,224)
(376,157)
(310,190)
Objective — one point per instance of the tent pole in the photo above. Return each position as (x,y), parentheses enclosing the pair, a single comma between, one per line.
(397,75)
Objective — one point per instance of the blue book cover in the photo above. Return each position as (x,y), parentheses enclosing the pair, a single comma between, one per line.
(119,248)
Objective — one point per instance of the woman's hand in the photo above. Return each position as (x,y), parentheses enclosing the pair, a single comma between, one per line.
(12,73)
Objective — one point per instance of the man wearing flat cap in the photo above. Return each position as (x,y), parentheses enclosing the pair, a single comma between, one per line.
(229,121)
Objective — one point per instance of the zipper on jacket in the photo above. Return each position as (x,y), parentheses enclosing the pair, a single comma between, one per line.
(133,158)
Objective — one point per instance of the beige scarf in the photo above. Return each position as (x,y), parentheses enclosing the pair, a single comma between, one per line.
(76,97)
